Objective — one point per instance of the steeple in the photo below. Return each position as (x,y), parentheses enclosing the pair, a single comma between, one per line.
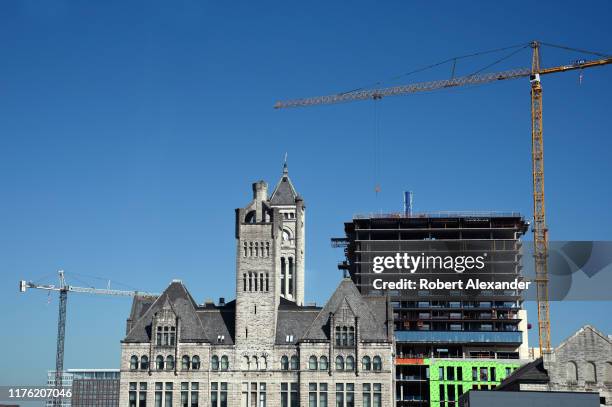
(284,193)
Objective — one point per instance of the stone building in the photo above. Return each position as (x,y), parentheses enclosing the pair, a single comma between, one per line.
(266,348)
(581,363)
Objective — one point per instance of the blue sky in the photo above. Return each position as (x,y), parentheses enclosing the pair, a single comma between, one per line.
(129,132)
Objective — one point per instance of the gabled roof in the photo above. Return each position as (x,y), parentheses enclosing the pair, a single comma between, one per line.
(581,331)
(533,373)
(182,304)
(371,325)
(284,193)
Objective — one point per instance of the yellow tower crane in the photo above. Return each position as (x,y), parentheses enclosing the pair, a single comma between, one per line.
(540,231)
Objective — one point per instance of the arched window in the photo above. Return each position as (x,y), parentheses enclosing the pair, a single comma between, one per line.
(134,362)
(256,249)
(185,362)
(366,363)
(295,364)
(214,363)
(608,372)
(267,249)
(144,362)
(284,363)
(159,362)
(351,336)
(591,373)
(246,363)
(339,363)
(170,362)
(572,371)
(195,362)
(323,363)
(377,363)
(264,363)
(350,363)
(312,363)
(244,246)
(255,363)
(250,217)
(224,363)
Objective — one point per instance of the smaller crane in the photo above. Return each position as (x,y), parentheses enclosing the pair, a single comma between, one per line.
(63,290)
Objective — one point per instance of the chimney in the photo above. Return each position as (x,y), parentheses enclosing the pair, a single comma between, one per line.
(221,301)
(260,191)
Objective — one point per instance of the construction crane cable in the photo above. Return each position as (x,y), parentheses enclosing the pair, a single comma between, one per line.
(424,68)
(499,60)
(584,51)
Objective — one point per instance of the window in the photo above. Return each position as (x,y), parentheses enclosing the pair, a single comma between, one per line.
(344,336)
(195,362)
(284,395)
(170,362)
(214,362)
(366,363)
(295,365)
(350,363)
(367,395)
(168,394)
(323,363)
(323,395)
(224,363)
(377,363)
(218,394)
(172,335)
(185,394)
(144,362)
(159,362)
(350,395)
(284,363)
(185,362)
(312,395)
(339,394)
(459,373)
(338,336)
(195,387)
(158,340)
(572,371)
(450,373)
(339,363)
(134,362)
(372,395)
(158,394)
(132,394)
(493,374)
(312,364)
(442,394)
(484,374)
(351,336)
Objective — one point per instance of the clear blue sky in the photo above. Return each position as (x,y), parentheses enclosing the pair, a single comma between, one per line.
(129,132)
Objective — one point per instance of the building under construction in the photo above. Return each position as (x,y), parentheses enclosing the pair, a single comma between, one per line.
(447,342)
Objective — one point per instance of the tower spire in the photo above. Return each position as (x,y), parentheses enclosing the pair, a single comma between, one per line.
(285,168)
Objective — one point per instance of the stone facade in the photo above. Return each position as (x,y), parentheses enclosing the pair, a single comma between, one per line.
(583,362)
(266,348)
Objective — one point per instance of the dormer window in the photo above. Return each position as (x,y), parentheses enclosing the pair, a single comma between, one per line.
(289,339)
(165,336)
(345,336)
(220,338)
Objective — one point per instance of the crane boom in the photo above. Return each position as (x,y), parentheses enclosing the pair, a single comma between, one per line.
(378,93)
(63,290)
(540,230)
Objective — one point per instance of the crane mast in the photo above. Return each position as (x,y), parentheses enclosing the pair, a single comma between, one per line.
(540,230)
(63,290)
